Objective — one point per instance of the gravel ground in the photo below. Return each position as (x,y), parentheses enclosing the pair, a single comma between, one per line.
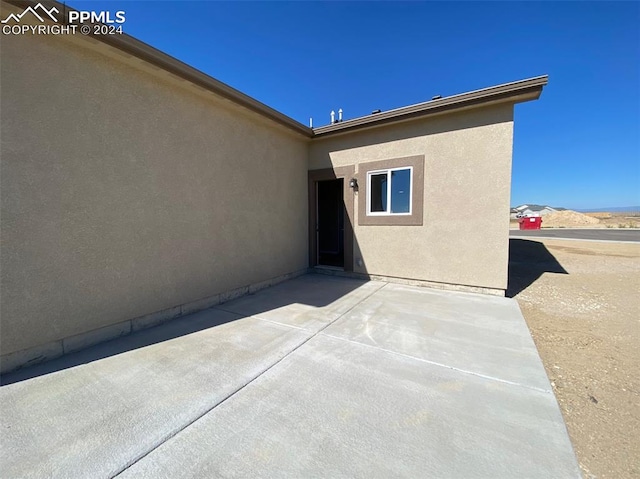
(582,304)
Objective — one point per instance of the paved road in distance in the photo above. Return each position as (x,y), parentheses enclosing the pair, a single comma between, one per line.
(609,234)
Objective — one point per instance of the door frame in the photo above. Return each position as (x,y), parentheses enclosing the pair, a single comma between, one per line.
(345,173)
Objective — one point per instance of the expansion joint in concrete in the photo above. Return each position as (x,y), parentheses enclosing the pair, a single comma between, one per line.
(237,390)
(435,363)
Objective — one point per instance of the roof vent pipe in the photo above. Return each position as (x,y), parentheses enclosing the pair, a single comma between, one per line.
(340,114)
(311,122)
(333,117)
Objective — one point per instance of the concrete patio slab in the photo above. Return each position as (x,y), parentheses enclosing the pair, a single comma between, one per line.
(482,334)
(332,409)
(115,402)
(317,377)
(309,302)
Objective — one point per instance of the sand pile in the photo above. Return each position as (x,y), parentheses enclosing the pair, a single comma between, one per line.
(568,219)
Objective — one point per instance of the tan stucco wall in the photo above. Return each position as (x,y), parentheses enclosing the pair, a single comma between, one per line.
(126,191)
(467,178)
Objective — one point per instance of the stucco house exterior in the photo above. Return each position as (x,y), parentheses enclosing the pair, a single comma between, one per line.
(136,189)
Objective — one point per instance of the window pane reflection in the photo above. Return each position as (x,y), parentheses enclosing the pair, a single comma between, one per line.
(379,192)
(400,184)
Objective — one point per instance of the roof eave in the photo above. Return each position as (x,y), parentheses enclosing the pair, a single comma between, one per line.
(132,46)
(514,92)
(147,53)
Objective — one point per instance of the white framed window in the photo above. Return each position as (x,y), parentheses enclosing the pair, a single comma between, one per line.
(389,191)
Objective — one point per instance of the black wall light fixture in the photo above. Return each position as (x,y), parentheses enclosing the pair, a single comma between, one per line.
(353,183)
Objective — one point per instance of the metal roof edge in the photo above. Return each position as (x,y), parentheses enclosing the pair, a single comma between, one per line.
(517,91)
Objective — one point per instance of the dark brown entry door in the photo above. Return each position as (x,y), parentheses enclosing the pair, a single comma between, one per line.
(330,222)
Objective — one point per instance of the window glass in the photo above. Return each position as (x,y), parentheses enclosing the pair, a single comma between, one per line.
(400,191)
(379,192)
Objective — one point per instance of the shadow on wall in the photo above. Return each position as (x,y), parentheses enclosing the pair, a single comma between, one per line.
(315,291)
(528,260)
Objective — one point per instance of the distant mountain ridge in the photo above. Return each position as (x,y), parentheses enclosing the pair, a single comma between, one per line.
(611,209)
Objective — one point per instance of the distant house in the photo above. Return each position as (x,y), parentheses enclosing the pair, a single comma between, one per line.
(532,210)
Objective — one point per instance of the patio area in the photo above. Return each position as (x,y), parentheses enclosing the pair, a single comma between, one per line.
(319,376)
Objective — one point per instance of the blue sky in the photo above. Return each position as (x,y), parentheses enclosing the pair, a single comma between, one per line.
(577,147)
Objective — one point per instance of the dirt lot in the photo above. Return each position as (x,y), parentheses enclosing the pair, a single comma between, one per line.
(571,219)
(581,302)
(617,220)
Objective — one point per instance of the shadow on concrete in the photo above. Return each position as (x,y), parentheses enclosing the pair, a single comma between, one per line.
(528,260)
(303,290)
